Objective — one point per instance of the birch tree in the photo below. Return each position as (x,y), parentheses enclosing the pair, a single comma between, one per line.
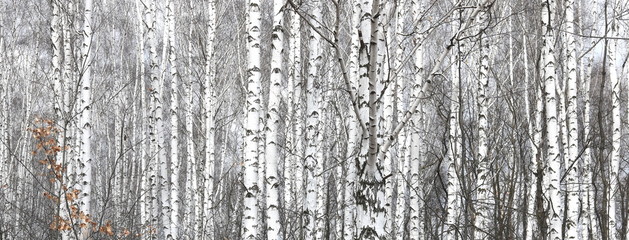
(192,209)
(482,186)
(313,114)
(614,166)
(294,141)
(174,125)
(401,159)
(273,125)
(155,112)
(252,122)
(206,221)
(85,119)
(416,123)
(454,144)
(353,128)
(553,163)
(572,184)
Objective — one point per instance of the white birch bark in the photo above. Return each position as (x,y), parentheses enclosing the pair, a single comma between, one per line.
(300,126)
(386,87)
(482,182)
(252,123)
(614,166)
(353,128)
(385,105)
(416,200)
(192,205)
(572,183)
(153,130)
(262,167)
(273,124)
(65,137)
(454,153)
(401,169)
(85,120)
(164,178)
(174,125)
(292,163)
(4,151)
(144,153)
(553,161)
(313,131)
(370,196)
(206,221)
(55,37)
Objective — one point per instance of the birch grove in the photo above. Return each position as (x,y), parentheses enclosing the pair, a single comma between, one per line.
(321,119)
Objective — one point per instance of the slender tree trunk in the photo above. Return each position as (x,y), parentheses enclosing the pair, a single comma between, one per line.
(164,179)
(454,152)
(300,129)
(144,152)
(553,161)
(294,143)
(313,131)
(353,144)
(85,120)
(174,125)
(386,87)
(572,183)
(153,122)
(614,166)
(65,139)
(252,123)
(370,196)
(193,209)
(402,168)
(273,124)
(417,122)
(207,220)
(482,182)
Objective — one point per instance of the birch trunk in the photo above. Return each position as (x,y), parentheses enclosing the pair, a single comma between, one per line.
(572,183)
(207,220)
(401,169)
(4,151)
(252,123)
(292,164)
(55,37)
(65,123)
(553,161)
(482,182)
(192,191)
(353,125)
(273,124)
(153,111)
(416,197)
(144,153)
(386,87)
(614,166)
(313,131)
(85,120)
(164,179)
(300,127)
(454,153)
(174,124)
(370,196)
